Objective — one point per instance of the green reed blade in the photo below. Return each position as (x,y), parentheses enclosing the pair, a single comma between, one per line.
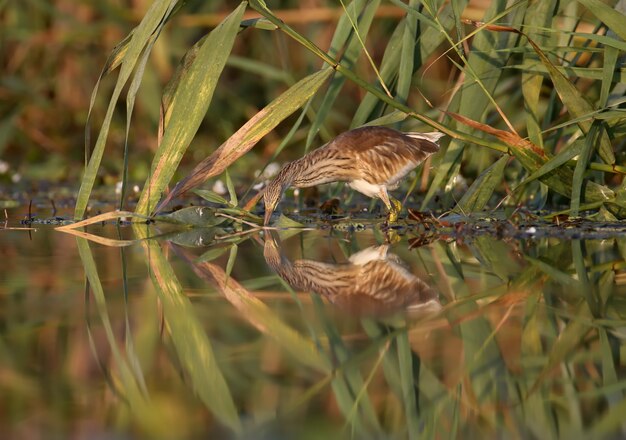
(371,105)
(140,37)
(188,107)
(344,38)
(563,157)
(472,100)
(407,57)
(608,73)
(250,133)
(581,168)
(232,257)
(231,189)
(130,104)
(577,72)
(481,190)
(577,105)
(615,20)
(537,14)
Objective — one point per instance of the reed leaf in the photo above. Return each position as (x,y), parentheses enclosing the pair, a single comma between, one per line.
(612,18)
(188,107)
(537,14)
(140,38)
(577,105)
(344,38)
(533,158)
(472,100)
(250,133)
(407,58)
(482,188)
(554,162)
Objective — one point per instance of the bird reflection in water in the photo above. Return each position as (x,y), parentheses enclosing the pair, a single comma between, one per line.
(372,282)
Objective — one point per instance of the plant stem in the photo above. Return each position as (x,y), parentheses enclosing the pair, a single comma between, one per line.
(259,6)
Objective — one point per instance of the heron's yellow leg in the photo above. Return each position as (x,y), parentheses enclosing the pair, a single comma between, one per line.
(393,206)
(396,207)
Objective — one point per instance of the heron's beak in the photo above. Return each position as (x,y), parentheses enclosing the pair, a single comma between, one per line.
(268,216)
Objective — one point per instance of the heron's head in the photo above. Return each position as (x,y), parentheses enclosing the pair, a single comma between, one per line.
(271,196)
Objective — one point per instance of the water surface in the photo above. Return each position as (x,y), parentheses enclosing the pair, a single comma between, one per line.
(310,334)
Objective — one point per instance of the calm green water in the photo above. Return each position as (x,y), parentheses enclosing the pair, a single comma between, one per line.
(321,334)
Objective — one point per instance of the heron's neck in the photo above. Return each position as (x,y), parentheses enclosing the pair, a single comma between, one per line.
(315,168)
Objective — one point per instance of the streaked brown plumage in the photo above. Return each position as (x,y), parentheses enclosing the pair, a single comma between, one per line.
(373,282)
(371,159)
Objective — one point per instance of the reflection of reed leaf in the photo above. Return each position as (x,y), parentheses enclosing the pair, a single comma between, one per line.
(149,416)
(570,337)
(190,340)
(259,315)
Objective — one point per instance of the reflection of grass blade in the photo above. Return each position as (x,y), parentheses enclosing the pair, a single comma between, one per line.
(250,133)
(262,317)
(148,416)
(190,339)
(569,338)
(554,273)
(140,37)
(407,368)
(189,105)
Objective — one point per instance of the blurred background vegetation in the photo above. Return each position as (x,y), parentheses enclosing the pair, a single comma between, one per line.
(52,54)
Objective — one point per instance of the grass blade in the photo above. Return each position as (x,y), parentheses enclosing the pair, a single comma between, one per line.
(344,34)
(577,105)
(483,187)
(188,107)
(611,17)
(532,158)
(250,133)
(553,163)
(407,58)
(537,14)
(140,37)
(608,70)
(483,70)
(581,169)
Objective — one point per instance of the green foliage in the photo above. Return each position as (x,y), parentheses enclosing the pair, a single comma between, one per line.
(549,72)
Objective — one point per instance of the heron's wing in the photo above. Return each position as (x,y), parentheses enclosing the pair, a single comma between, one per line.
(383,155)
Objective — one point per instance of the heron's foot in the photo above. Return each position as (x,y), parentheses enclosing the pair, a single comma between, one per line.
(396,207)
